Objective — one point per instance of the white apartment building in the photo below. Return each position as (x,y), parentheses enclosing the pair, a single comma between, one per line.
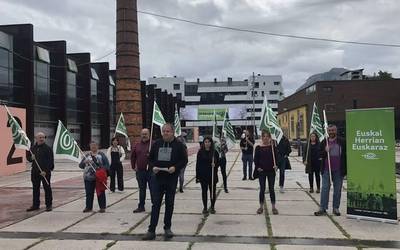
(203,97)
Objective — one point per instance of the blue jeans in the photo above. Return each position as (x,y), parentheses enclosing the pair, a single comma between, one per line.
(337,180)
(247,160)
(143,178)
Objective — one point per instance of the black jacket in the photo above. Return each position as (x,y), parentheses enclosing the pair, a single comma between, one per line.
(203,166)
(313,157)
(343,164)
(179,157)
(44,156)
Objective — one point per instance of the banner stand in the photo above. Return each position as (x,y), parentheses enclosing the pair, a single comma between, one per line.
(371,178)
(359,217)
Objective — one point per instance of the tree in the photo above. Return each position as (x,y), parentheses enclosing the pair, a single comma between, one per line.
(382,75)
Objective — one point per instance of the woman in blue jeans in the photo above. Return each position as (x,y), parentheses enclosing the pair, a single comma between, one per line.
(265,168)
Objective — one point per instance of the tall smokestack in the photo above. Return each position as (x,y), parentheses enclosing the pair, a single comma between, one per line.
(128,70)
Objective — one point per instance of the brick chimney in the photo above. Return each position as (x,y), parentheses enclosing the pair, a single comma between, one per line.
(128,69)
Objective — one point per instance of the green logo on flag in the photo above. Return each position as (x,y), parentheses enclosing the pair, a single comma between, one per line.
(64,146)
(158,118)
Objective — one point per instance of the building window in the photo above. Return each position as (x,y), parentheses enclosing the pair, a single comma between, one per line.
(179,96)
(277,83)
(327,89)
(256,85)
(310,89)
(264,83)
(330,107)
(262,93)
(273,92)
(177,86)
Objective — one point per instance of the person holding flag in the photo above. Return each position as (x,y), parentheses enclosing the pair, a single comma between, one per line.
(311,152)
(95,165)
(42,158)
(40,154)
(139,163)
(265,168)
(333,154)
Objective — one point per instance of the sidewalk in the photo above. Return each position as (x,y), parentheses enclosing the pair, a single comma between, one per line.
(234,226)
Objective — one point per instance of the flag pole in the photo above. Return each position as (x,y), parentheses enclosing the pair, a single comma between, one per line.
(30,151)
(327,147)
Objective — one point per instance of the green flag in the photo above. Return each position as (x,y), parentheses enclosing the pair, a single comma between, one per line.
(228,131)
(158,118)
(215,134)
(19,136)
(121,128)
(177,123)
(270,123)
(316,124)
(65,146)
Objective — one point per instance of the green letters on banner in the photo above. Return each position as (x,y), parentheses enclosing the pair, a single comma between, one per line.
(371,177)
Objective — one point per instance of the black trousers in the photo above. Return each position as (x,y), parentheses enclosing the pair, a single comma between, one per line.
(116,170)
(271,183)
(36,179)
(223,171)
(317,174)
(205,186)
(159,188)
(90,187)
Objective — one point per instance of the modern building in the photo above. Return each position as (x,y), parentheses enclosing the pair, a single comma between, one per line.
(174,85)
(52,85)
(335,97)
(203,97)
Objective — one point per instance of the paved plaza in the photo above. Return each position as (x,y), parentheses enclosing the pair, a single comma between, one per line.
(234,226)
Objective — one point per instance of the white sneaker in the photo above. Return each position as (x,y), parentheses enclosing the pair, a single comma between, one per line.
(281,190)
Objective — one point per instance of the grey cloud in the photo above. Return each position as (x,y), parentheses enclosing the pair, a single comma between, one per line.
(174,48)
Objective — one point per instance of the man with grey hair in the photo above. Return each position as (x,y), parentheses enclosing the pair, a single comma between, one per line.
(42,159)
(167,157)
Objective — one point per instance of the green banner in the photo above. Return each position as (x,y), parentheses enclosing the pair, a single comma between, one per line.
(207,114)
(371,177)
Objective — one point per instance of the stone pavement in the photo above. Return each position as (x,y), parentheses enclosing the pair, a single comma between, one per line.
(235,225)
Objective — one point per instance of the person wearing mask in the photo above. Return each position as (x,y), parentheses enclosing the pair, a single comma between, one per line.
(312,161)
(95,166)
(42,158)
(201,139)
(247,145)
(182,173)
(222,163)
(115,155)
(265,169)
(207,172)
(139,163)
(167,157)
(335,166)
(284,151)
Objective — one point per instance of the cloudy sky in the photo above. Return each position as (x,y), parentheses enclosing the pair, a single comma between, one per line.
(171,48)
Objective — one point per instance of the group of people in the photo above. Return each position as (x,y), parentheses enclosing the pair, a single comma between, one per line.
(160,164)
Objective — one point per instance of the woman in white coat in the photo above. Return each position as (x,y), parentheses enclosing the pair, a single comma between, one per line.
(115,155)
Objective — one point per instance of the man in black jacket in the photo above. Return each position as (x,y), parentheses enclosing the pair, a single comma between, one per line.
(334,166)
(167,157)
(42,155)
